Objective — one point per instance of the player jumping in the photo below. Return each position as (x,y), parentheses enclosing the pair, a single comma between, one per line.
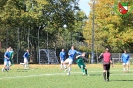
(72,52)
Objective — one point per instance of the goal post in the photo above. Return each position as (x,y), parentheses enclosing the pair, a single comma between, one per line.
(47,56)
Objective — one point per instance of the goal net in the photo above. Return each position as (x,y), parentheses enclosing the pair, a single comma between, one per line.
(47,56)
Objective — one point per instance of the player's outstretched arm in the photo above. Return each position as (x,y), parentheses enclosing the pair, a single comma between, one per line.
(78,56)
(100,56)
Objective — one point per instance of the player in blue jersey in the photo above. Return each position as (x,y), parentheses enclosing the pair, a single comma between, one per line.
(72,52)
(62,57)
(6,60)
(125,58)
(26,57)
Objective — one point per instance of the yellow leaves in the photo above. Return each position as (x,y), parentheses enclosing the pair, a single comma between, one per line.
(115,30)
(42,2)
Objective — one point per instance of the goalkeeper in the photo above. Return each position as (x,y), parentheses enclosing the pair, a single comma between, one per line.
(80,60)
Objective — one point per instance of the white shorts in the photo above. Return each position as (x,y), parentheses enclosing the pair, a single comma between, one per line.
(7,63)
(70,61)
(62,61)
(25,60)
(127,63)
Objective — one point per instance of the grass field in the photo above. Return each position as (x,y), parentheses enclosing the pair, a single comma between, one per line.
(50,76)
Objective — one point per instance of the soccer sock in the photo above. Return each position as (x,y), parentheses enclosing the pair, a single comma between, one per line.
(65,66)
(82,68)
(108,75)
(25,65)
(61,66)
(104,75)
(86,71)
(69,69)
(123,69)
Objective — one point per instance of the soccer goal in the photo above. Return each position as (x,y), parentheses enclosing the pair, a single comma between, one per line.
(47,56)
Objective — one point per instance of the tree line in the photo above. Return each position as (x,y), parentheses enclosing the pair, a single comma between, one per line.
(31,24)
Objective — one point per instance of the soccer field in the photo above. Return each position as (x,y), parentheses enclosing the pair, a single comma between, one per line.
(50,76)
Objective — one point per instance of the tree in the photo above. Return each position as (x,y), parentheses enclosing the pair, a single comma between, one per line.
(25,19)
(111,30)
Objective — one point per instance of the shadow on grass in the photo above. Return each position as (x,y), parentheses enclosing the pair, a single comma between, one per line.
(95,74)
(122,80)
(22,70)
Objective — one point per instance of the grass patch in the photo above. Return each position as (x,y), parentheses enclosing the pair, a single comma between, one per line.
(50,76)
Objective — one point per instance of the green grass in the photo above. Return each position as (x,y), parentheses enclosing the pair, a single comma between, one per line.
(50,76)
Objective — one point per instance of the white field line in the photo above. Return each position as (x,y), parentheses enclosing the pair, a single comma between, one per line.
(53,74)
(38,75)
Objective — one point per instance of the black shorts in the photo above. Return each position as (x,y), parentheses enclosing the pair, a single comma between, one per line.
(106,66)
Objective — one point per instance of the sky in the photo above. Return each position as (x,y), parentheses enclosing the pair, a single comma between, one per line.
(83,4)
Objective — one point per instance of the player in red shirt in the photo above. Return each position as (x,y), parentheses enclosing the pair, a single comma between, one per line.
(107,60)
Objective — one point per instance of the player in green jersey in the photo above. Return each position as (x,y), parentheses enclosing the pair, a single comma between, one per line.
(11,56)
(81,63)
